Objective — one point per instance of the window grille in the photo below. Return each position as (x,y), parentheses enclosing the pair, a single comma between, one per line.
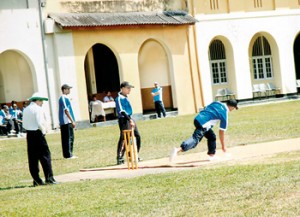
(257,3)
(214,4)
(217,50)
(218,62)
(262,59)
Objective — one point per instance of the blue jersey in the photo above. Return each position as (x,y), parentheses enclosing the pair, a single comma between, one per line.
(65,104)
(2,116)
(212,114)
(16,114)
(157,97)
(123,105)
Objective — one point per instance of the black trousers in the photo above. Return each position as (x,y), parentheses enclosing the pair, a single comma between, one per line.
(16,125)
(6,127)
(159,108)
(67,139)
(197,136)
(38,151)
(3,130)
(124,124)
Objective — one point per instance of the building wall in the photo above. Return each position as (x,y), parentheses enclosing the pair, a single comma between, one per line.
(22,65)
(91,6)
(62,70)
(127,54)
(67,49)
(230,6)
(16,77)
(238,32)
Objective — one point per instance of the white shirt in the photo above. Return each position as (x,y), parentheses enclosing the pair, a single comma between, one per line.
(33,118)
(108,99)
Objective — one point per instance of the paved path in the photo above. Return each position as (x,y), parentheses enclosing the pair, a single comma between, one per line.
(239,154)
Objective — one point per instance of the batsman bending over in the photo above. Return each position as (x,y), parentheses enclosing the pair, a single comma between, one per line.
(204,122)
(124,111)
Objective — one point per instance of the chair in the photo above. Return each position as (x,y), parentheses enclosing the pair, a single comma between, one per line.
(256,90)
(263,89)
(229,94)
(271,88)
(220,94)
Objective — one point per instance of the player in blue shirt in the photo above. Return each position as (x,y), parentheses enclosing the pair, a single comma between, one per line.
(66,122)
(125,120)
(158,102)
(204,122)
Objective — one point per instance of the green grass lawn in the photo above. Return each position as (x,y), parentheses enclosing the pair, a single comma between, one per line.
(262,189)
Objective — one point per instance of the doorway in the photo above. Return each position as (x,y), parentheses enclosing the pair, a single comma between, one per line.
(297,61)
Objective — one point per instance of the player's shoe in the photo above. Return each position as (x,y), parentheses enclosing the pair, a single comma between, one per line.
(120,161)
(212,158)
(173,154)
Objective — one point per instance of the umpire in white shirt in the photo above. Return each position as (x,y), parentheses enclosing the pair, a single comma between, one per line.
(37,148)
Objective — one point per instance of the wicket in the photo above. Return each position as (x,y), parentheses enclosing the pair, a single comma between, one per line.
(130,149)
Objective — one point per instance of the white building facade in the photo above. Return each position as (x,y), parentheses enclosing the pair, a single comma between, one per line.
(241,49)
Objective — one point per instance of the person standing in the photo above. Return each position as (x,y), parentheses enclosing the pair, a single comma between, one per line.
(37,147)
(125,120)
(204,122)
(158,102)
(66,122)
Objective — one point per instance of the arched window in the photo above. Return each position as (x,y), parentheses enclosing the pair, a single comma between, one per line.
(218,62)
(262,59)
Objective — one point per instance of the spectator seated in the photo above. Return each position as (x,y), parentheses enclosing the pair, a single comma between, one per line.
(5,120)
(16,116)
(108,107)
(96,109)
(3,129)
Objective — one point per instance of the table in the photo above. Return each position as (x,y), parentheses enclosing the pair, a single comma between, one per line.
(96,109)
(109,107)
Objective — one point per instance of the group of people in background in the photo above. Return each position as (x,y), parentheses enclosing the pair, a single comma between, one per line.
(96,108)
(11,119)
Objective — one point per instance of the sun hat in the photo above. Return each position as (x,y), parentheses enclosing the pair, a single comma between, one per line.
(126,84)
(38,96)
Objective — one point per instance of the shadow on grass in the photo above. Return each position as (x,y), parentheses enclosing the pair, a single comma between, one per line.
(196,161)
(180,165)
(15,187)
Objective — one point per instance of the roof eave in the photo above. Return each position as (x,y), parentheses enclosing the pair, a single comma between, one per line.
(119,26)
